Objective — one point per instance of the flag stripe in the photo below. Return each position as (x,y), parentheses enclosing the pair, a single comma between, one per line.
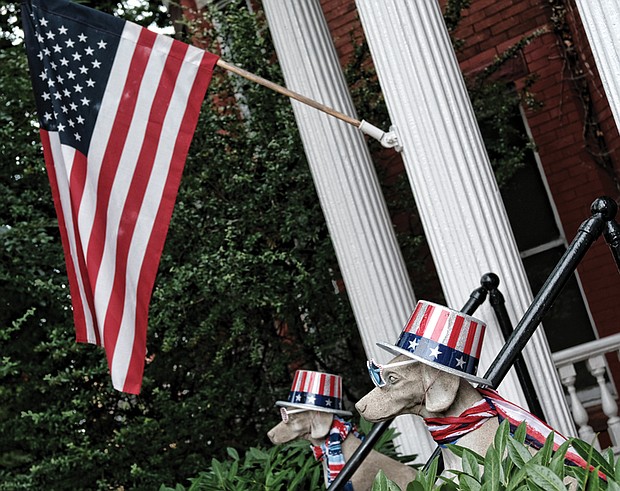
(62,163)
(455,332)
(79,171)
(67,242)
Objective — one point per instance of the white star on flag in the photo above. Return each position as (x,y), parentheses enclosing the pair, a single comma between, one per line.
(460,362)
(435,352)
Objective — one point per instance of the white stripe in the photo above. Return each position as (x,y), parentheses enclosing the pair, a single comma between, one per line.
(477,339)
(63,157)
(432,322)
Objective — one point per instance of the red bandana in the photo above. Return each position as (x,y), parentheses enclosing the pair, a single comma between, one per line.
(450,429)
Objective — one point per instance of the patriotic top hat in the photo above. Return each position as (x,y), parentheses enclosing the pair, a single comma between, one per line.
(316,391)
(442,338)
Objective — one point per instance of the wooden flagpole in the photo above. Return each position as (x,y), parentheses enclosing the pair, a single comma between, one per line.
(388,140)
(289,93)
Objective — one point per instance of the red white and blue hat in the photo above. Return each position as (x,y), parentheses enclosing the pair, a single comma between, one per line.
(442,338)
(316,391)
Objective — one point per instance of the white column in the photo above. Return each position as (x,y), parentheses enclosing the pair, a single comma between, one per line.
(601,19)
(360,228)
(449,171)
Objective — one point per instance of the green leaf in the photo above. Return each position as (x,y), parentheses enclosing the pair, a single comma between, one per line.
(546,451)
(468,483)
(382,483)
(232,453)
(471,465)
(518,453)
(501,437)
(545,478)
(520,433)
(557,463)
(492,470)
(592,456)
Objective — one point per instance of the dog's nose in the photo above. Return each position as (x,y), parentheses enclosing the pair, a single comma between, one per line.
(271,436)
(361,407)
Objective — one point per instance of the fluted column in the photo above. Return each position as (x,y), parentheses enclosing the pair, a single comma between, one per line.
(601,19)
(449,171)
(370,261)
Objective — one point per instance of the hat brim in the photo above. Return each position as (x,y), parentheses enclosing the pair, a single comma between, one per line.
(310,407)
(400,351)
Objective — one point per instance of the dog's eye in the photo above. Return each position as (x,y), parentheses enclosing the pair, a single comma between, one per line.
(392,378)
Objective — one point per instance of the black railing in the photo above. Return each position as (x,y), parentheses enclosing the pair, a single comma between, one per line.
(602,222)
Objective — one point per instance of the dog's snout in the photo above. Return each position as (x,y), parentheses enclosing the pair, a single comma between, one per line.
(271,434)
(361,407)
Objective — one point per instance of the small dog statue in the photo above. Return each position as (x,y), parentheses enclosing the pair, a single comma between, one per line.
(312,412)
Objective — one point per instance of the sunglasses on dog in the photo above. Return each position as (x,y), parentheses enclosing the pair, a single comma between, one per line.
(285,413)
(375,370)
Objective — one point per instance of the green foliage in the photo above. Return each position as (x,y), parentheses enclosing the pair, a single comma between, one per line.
(245,294)
(287,468)
(509,465)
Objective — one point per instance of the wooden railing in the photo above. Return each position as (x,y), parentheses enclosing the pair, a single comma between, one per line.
(593,353)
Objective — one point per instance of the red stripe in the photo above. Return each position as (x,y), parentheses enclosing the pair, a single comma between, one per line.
(424,321)
(296,382)
(76,187)
(162,221)
(76,299)
(409,325)
(135,196)
(441,322)
(114,149)
(323,379)
(471,334)
(455,333)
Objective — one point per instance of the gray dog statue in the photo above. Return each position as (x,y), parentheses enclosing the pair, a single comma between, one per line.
(313,412)
(432,376)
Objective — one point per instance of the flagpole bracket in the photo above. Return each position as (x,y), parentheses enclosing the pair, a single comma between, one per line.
(387,139)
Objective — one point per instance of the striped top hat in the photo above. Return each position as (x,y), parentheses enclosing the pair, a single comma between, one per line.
(316,391)
(442,338)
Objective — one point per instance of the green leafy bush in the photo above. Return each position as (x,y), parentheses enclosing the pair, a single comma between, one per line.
(508,465)
(286,467)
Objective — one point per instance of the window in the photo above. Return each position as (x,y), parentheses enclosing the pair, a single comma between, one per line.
(541,244)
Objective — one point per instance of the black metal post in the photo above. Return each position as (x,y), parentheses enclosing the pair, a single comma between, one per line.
(612,236)
(496,299)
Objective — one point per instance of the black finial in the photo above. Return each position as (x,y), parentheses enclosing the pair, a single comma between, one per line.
(606,206)
(490,281)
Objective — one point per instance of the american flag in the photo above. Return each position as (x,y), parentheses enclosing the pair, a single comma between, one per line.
(118,106)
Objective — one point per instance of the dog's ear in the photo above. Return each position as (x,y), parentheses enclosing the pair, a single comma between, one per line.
(320,424)
(441,389)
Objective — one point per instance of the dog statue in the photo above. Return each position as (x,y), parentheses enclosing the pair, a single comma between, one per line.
(312,412)
(437,358)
